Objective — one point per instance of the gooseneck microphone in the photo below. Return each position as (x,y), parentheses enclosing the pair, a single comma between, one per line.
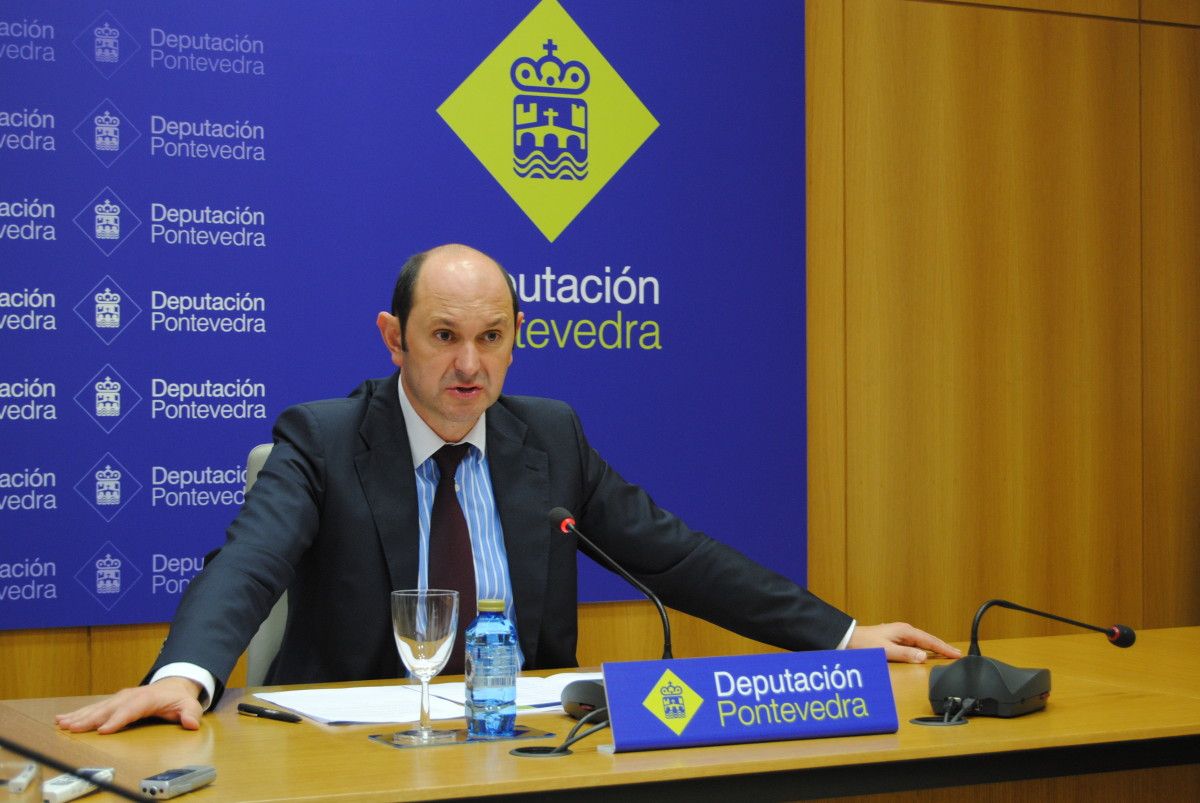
(1119,635)
(561,518)
(984,686)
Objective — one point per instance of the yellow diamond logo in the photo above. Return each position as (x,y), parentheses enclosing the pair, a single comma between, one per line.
(549,118)
(673,702)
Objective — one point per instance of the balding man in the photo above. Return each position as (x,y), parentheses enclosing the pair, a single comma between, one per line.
(341,515)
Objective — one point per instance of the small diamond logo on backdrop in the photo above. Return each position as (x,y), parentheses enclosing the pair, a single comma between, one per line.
(107,310)
(107,133)
(549,118)
(108,575)
(106,44)
(107,398)
(107,221)
(107,487)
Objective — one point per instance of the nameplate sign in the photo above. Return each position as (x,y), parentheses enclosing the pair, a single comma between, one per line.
(688,702)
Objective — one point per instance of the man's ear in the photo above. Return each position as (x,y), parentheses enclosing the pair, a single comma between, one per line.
(389,330)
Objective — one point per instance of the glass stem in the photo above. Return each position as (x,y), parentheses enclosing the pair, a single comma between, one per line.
(426,725)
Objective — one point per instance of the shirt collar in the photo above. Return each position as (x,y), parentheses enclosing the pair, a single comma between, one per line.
(423,441)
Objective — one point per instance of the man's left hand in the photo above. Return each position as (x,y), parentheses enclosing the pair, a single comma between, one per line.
(902,642)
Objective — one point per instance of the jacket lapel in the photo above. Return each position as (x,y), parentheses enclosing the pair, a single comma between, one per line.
(389,483)
(521,484)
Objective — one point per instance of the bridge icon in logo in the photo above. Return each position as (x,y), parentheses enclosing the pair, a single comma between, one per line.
(535,110)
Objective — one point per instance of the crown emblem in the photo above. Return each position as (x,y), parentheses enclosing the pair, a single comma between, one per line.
(550,128)
(108,562)
(107,296)
(107,120)
(107,31)
(107,208)
(550,74)
(107,385)
(108,474)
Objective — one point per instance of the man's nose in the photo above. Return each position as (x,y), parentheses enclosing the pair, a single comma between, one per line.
(466,362)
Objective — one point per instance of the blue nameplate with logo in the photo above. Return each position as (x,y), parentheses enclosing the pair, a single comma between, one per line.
(688,702)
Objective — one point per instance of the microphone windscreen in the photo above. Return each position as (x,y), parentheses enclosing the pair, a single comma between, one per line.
(558,515)
(1122,635)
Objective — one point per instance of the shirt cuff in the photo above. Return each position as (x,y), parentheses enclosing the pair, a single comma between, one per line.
(846,638)
(191,672)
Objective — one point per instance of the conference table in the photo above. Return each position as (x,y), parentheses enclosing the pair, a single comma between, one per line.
(1119,724)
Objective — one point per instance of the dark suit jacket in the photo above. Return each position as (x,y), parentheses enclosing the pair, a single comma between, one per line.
(333,517)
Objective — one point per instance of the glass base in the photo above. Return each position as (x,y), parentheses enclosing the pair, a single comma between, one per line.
(417,736)
(459,736)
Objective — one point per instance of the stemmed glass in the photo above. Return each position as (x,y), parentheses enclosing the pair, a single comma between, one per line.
(424,623)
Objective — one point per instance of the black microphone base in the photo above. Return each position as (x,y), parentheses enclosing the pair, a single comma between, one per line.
(999,690)
(582,697)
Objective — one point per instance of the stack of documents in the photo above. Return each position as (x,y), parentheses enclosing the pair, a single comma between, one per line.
(402,703)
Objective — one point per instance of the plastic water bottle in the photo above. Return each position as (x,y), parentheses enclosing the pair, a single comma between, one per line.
(491,664)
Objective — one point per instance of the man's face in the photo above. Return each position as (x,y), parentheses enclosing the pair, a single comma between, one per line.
(460,338)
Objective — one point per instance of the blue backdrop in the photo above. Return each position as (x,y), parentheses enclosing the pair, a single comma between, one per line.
(203,207)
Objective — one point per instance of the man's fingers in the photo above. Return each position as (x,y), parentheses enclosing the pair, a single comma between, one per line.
(86,718)
(902,642)
(935,644)
(189,715)
(907,634)
(172,699)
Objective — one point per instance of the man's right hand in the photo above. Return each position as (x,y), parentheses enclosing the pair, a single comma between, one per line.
(174,699)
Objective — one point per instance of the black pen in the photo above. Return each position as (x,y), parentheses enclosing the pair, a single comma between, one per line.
(266,713)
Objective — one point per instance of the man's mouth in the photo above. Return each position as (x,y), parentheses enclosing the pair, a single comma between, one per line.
(465,391)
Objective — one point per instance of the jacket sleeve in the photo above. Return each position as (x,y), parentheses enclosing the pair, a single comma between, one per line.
(224,605)
(694,573)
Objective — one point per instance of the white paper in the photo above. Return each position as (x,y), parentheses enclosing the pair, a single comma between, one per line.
(402,703)
(362,704)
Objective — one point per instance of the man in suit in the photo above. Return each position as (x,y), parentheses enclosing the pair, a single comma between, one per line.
(340,515)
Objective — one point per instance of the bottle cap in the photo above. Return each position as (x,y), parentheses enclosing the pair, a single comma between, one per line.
(490,605)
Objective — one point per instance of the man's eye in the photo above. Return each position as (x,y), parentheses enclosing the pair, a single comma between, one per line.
(443,335)
(491,337)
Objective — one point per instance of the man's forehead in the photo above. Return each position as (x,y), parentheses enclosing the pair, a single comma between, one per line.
(483,315)
(464,300)
(462,284)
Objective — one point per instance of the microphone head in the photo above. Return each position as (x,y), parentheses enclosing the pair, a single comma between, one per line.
(561,518)
(1122,635)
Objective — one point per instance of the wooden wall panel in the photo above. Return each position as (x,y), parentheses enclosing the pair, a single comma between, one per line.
(826,295)
(993,337)
(40,663)
(121,654)
(1186,12)
(1171,306)
(632,631)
